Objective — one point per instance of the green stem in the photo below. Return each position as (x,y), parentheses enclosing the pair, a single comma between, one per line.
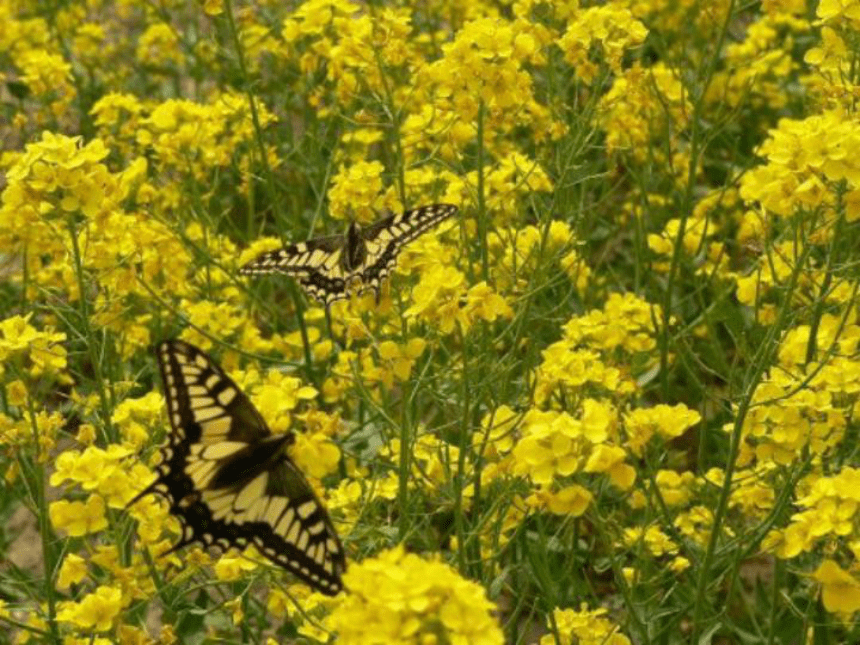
(37,486)
(482,206)
(696,151)
(270,182)
(760,364)
(403,473)
(459,525)
(89,336)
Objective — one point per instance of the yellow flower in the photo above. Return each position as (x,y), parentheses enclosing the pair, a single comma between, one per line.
(41,349)
(79,518)
(213,7)
(840,591)
(612,27)
(398,597)
(657,542)
(482,303)
(315,454)
(105,471)
(159,45)
(497,431)
(830,9)
(277,396)
(74,570)
(234,606)
(610,460)
(16,393)
(231,567)
(96,611)
(354,191)
(437,298)
(571,500)
(397,361)
(583,627)
(44,72)
(136,417)
(667,421)
(61,177)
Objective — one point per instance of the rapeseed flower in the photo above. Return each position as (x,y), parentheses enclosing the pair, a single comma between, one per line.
(40,352)
(829,512)
(54,179)
(50,75)
(134,233)
(159,46)
(484,66)
(97,611)
(73,570)
(840,591)
(79,518)
(355,190)
(666,421)
(571,501)
(583,627)
(398,597)
(612,27)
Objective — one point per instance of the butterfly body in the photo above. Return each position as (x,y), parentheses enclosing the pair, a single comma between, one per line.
(354,249)
(230,481)
(331,268)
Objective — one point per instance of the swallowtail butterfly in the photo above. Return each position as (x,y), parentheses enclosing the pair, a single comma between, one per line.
(228,478)
(330,268)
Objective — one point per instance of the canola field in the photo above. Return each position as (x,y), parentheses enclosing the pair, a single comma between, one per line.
(442,323)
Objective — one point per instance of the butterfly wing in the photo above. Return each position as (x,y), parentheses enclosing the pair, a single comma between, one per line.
(384,239)
(316,264)
(228,478)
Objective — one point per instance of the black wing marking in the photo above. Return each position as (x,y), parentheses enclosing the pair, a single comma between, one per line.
(229,480)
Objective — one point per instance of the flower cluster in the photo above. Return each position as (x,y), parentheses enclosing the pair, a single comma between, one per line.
(398,597)
(629,362)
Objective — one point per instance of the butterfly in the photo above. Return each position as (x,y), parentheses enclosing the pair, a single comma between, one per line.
(229,480)
(330,268)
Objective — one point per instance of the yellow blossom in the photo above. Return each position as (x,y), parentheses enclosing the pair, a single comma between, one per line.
(73,570)
(840,591)
(96,611)
(398,597)
(583,627)
(79,518)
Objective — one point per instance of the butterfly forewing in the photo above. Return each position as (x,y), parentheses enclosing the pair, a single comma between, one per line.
(228,478)
(407,226)
(386,238)
(204,404)
(319,265)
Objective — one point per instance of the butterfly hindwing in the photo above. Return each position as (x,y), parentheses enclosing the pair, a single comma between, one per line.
(328,271)
(230,481)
